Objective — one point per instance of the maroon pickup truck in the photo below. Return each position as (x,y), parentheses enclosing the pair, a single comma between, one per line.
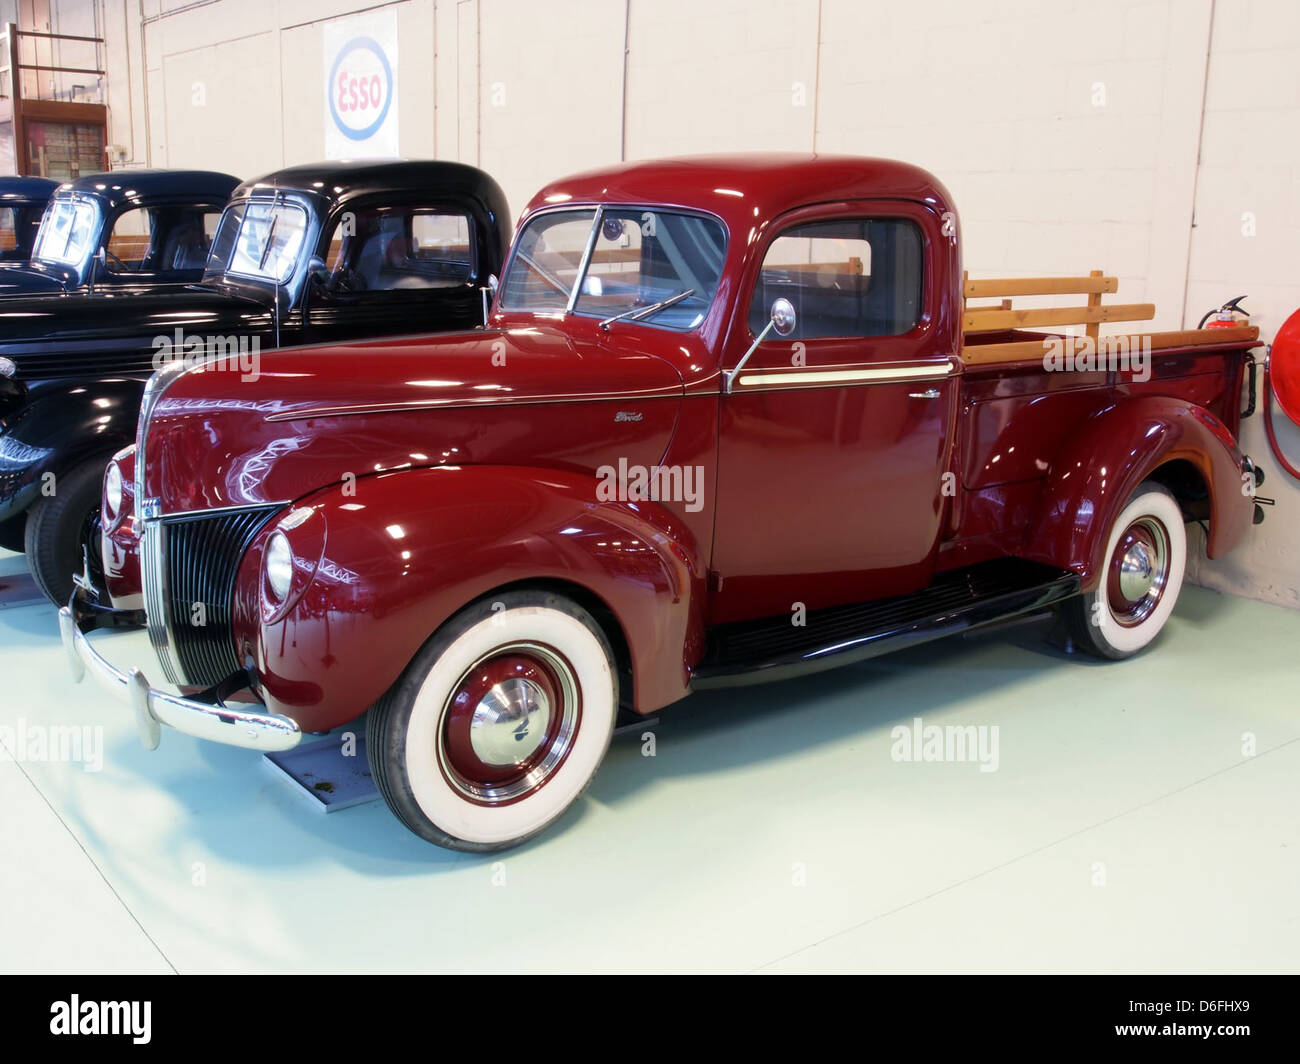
(731,419)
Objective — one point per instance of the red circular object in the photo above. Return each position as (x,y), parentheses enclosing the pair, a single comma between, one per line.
(460,751)
(1284,367)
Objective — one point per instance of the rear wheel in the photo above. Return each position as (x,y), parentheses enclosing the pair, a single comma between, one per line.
(499,723)
(60,527)
(1146,556)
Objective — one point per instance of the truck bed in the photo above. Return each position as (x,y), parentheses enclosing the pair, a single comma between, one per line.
(1015,413)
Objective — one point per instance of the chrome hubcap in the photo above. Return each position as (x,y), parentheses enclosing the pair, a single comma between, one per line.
(1139,570)
(1136,571)
(510,723)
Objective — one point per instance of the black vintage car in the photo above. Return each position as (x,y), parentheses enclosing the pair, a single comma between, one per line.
(126,231)
(307,255)
(22,202)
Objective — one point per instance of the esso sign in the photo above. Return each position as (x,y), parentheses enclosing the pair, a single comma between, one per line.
(360,88)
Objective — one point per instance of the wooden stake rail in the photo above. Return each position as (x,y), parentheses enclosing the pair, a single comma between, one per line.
(1003,317)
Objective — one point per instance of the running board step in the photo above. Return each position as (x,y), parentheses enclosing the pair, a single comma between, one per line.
(774,649)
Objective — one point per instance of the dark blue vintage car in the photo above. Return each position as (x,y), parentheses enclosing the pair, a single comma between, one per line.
(127,230)
(22,203)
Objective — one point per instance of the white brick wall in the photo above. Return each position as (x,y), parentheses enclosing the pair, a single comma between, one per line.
(1067,130)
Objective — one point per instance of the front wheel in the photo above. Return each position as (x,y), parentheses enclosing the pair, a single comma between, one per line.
(1146,556)
(499,723)
(63,528)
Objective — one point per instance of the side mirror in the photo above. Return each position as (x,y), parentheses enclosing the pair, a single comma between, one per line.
(98,267)
(782,321)
(317,270)
(487,292)
(783,317)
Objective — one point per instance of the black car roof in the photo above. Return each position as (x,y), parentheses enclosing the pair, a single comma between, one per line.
(126,186)
(22,190)
(337,182)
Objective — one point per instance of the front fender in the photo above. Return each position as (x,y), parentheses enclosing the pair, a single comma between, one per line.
(1101,466)
(59,426)
(391,561)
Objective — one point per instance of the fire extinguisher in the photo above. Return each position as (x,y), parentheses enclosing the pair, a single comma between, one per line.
(1226,316)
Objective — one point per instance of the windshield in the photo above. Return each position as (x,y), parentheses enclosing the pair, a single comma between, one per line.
(68,230)
(259,240)
(639,257)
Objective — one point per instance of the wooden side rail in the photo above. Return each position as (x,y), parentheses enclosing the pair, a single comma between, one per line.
(1024,351)
(995,319)
(998,287)
(1002,317)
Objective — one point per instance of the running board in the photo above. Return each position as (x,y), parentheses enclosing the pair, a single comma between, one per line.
(773,648)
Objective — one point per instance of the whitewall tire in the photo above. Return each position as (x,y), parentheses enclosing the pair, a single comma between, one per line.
(1142,574)
(499,723)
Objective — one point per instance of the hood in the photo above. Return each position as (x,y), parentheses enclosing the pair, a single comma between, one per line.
(26,281)
(312,417)
(113,331)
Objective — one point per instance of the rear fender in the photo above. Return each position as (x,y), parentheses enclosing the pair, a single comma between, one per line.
(1097,471)
(381,567)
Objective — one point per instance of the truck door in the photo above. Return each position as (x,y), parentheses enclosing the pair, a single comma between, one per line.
(393,268)
(834,437)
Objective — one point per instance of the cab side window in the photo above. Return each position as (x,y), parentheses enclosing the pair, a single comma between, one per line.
(8,232)
(851,278)
(130,239)
(387,249)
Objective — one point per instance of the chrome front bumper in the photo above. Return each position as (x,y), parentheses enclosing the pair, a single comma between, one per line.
(204,716)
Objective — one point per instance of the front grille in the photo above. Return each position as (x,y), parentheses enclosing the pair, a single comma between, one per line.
(72,364)
(190,566)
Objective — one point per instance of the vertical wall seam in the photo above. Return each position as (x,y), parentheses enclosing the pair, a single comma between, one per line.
(627,38)
(817,77)
(1196,167)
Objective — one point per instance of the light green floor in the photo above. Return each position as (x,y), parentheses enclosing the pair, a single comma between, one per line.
(197,858)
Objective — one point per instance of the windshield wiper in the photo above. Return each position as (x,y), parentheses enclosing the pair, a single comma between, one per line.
(638,313)
(270,237)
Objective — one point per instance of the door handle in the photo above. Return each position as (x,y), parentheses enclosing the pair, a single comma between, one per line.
(929,393)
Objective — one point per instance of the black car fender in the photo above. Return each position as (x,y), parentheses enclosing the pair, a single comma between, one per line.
(61,425)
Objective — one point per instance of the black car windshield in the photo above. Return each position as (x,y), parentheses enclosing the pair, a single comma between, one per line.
(259,239)
(629,258)
(68,230)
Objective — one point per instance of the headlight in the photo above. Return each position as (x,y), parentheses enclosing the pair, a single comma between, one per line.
(113,491)
(8,367)
(278,563)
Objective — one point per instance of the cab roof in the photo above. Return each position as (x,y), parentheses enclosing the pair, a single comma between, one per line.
(340,181)
(747,190)
(17,191)
(117,187)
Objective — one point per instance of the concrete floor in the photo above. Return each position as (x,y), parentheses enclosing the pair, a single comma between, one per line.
(1124,829)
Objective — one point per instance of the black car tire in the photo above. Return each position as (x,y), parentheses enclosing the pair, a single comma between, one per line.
(58,525)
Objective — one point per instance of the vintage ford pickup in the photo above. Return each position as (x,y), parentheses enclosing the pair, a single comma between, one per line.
(309,254)
(732,420)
